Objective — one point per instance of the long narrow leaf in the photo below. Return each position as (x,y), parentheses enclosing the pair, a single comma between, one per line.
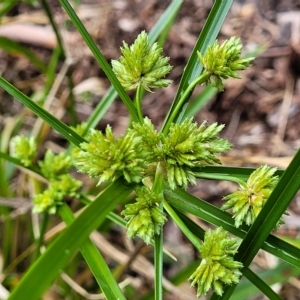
(95,261)
(207,36)
(274,208)
(63,248)
(100,58)
(154,33)
(259,283)
(198,207)
(62,128)
(13,47)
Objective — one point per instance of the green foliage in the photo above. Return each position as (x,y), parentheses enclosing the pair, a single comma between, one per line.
(217,267)
(222,61)
(142,64)
(24,149)
(159,163)
(247,202)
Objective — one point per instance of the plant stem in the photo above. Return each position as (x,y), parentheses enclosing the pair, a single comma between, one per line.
(138,104)
(181,225)
(158,263)
(204,175)
(199,80)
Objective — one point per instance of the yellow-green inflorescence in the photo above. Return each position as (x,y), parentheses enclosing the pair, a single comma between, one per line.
(24,149)
(222,61)
(217,267)
(54,168)
(105,157)
(145,218)
(247,202)
(137,153)
(142,65)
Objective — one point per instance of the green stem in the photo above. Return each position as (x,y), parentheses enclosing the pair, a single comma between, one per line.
(40,241)
(138,103)
(199,80)
(54,26)
(158,263)
(204,175)
(181,225)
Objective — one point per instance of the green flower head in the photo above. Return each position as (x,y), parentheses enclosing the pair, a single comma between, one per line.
(247,202)
(217,267)
(65,185)
(106,157)
(55,165)
(145,218)
(142,65)
(46,201)
(24,149)
(187,146)
(222,61)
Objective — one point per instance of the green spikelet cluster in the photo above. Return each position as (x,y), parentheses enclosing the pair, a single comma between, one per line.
(54,165)
(61,184)
(24,149)
(217,267)
(145,218)
(247,202)
(106,157)
(187,146)
(184,147)
(222,61)
(46,202)
(142,64)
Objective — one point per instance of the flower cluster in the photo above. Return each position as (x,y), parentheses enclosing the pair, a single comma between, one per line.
(142,65)
(53,167)
(106,157)
(222,61)
(217,267)
(24,149)
(51,198)
(145,218)
(138,152)
(187,146)
(247,202)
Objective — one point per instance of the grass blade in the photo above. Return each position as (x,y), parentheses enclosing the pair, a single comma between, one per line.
(279,274)
(13,48)
(59,126)
(198,207)
(199,232)
(95,261)
(111,94)
(198,103)
(46,268)
(100,59)
(274,208)
(207,36)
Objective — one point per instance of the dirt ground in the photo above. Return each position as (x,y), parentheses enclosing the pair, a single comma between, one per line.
(261,111)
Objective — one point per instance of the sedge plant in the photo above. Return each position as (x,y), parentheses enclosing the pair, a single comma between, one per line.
(157,165)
